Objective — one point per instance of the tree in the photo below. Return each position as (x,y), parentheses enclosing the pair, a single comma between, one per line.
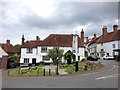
(69,56)
(15,58)
(17,45)
(52,53)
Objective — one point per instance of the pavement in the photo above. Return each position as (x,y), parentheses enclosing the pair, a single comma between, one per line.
(103,78)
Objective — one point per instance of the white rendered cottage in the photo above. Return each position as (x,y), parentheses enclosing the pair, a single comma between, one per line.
(36,50)
(106,44)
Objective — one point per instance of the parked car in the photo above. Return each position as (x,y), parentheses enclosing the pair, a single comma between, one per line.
(11,64)
(108,57)
(93,58)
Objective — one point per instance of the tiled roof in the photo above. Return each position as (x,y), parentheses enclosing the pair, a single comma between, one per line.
(31,44)
(94,40)
(9,48)
(60,40)
(112,36)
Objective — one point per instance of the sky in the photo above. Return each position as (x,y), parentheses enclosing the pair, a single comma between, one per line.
(43,17)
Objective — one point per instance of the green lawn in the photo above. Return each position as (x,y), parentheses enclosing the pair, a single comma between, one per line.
(32,72)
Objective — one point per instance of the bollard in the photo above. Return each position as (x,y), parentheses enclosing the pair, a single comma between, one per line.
(85,67)
(49,72)
(44,72)
(7,72)
(37,71)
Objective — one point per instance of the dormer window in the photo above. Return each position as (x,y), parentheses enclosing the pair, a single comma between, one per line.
(29,50)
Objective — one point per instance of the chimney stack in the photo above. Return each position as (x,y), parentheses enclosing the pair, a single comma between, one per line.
(115,28)
(94,35)
(82,35)
(23,39)
(7,41)
(87,40)
(37,38)
(104,30)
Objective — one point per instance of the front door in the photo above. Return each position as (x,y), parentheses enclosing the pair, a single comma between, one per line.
(34,61)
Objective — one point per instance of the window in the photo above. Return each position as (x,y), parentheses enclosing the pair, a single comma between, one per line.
(29,50)
(26,60)
(46,58)
(78,57)
(102,50)
(113,45)
(43,49)
(101,44)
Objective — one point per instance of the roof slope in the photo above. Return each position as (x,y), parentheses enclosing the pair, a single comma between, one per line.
(112,36)
(31,44)
(60,40)
(9,48)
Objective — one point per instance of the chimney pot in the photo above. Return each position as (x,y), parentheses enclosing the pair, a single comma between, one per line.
(104,30)
(115,28)
(23,39)
(37,38)
(7,41)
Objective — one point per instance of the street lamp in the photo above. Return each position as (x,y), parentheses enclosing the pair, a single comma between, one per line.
(57,60)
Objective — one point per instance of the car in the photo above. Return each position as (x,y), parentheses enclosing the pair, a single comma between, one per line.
(108,57)
(11,64)
(92,58)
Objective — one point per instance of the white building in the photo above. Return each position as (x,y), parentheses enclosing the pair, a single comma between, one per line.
(107,43)
(36,50)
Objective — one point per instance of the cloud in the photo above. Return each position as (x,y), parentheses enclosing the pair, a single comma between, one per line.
(19,18)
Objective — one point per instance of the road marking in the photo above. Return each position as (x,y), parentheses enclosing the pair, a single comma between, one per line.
(113,67)
(105,77)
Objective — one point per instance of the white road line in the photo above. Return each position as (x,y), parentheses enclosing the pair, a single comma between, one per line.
(105,77)
(113,67)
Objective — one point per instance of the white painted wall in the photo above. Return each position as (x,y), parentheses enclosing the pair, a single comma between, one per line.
(108,47)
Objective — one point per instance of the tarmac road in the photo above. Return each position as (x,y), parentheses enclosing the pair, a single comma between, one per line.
(104,78)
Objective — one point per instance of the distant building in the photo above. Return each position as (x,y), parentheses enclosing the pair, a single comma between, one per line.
(9,48)
(106,44)
(36,50)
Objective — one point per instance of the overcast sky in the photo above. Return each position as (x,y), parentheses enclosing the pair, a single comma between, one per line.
(40,18)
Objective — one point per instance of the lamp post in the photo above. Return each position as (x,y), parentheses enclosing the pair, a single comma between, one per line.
(57,60)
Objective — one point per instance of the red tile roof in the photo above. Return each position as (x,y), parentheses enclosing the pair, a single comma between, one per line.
(112,36)
(9,48)
(31,44)
(60,40)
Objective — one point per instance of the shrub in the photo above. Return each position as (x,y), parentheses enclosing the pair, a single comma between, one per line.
(84,60)
(41,63)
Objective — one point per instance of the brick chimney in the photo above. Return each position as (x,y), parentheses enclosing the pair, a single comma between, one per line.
(82,35)
(23,40)
(104,31)
(87,40)
(115,28)
(7,41)
(94,35)
(37,38)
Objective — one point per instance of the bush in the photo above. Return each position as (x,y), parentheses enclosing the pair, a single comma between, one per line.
(84,60)
(41,63)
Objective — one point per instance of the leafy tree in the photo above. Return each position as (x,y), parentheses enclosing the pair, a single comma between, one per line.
(15,58)
(17,45)
(69,56)
(52,53)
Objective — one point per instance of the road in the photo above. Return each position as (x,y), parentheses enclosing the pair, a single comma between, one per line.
(104,78)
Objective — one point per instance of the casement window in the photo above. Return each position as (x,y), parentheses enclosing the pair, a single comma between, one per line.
(29,50)
(113,45)
(101,44)
(78,57)
(26,60)
(45,58)
(43,49)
